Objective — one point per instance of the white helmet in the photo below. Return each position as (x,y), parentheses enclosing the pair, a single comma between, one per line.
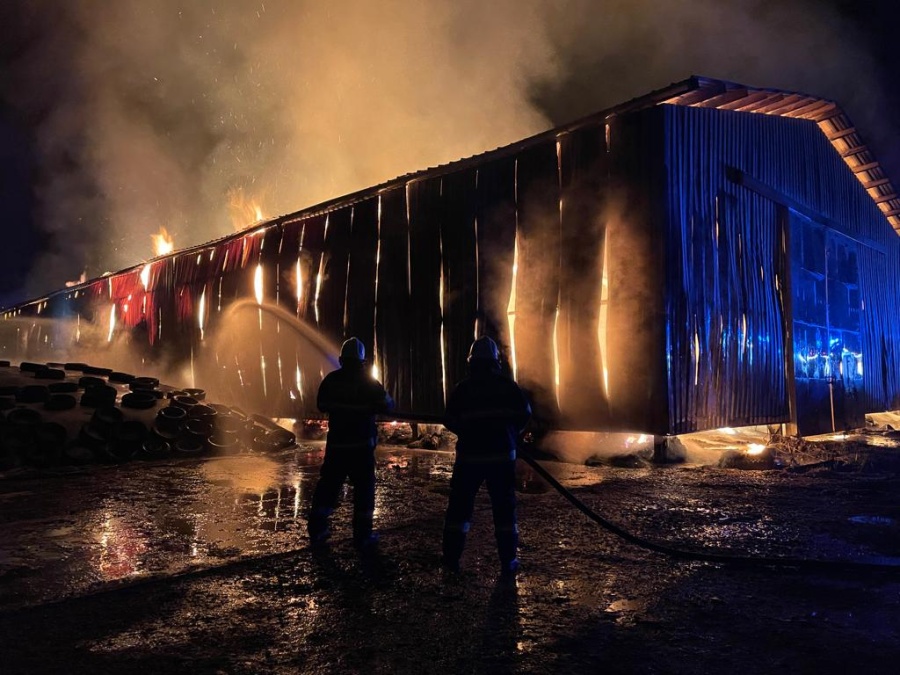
(484,348)
(353,349)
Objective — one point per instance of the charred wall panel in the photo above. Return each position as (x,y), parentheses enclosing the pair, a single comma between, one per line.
(360,320)
(313,246)
(584,174)
(427,386)
(394,323)
(496,238)
(460,271)
(537,279)
(636,225)
(333,290)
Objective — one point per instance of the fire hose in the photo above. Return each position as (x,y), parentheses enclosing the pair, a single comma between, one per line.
(812,564)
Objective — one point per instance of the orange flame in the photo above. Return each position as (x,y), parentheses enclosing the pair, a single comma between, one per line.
(244,211)
(163,243)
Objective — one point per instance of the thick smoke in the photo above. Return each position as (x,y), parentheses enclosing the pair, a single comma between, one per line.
(152,114)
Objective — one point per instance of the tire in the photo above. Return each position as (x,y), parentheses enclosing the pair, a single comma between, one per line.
(202,411)
(60,402)
(62,387)
(138,400)
(50,374)
(155,446)
(91,381)
(143,383)
(33,393)
(23,417)
(186,402)
(120,378)
(189,446)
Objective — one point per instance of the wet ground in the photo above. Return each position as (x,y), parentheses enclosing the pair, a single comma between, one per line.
(200,566)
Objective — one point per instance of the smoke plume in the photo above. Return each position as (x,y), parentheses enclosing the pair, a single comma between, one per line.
(153,114)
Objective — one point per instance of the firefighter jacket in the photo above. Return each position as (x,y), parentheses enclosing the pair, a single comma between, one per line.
(352,398)
(486,411)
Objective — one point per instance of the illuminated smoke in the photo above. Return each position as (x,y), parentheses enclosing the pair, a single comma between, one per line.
(157,112)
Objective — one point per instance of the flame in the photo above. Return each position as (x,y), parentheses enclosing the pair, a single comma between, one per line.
(163,243)
(299,382)
(556,353)
(77,282)
(298,274)
(375,373)
(511,307)
(755,448)
(112,322)
(201,313)
(245,211)
(319,277)
(145,276)
(258,284)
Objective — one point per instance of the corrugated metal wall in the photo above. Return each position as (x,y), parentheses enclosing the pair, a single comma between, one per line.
(630,280)
(728,262)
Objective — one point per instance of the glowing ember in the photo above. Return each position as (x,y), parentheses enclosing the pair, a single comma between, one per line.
(755,449)
(244,211)
(163,243)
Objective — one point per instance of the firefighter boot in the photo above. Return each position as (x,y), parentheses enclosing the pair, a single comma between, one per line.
(317,526)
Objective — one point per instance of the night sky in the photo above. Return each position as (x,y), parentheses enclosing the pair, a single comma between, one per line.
(118,118)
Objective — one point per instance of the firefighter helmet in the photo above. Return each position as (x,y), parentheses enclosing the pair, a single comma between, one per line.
(484,348)
(353,350)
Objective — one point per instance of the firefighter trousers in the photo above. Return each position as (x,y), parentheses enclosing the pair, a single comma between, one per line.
(356,465)
(464,485)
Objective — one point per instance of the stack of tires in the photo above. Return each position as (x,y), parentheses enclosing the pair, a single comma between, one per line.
(145,422)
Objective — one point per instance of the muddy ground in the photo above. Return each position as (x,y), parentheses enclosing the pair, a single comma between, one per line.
(200,566)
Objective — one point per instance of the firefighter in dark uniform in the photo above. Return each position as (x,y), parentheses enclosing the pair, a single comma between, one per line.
(486,411)
(351,397)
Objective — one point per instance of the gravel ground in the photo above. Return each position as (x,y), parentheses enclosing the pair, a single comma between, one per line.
(200,566)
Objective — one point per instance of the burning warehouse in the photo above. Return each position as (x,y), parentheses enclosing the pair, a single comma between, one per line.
(708,255)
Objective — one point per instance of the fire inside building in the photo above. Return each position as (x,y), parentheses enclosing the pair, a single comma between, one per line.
(708,255)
